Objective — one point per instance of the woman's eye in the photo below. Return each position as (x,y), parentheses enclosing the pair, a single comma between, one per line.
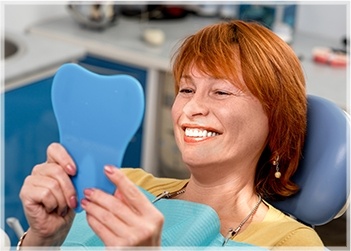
(222,93)
(186,91)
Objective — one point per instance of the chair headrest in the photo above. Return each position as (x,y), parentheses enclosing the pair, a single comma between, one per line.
(323,170)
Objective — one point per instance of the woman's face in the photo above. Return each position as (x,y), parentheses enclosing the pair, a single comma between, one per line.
(217,123)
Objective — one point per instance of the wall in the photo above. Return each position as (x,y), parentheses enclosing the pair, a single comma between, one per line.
(327,20)
(19,16)
(322,19)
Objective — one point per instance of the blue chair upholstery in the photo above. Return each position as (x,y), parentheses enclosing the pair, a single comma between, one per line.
(324,169)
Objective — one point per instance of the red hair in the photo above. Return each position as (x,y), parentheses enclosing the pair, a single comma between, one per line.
(272,73)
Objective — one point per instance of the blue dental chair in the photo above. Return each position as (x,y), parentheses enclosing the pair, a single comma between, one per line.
(324,169)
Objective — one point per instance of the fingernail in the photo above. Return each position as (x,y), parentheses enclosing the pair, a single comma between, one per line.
(109,169)
(73,201)
(71,169)
(84,203)
(88,192)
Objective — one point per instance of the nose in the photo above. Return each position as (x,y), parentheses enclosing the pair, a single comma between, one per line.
(196,105)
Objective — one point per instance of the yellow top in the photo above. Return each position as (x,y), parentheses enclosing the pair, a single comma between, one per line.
(277,230)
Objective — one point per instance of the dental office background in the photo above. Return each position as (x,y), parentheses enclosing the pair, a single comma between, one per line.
(324,21)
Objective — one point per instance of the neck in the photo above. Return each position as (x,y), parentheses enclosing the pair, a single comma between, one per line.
(231,193)
(232,198)
(209,183)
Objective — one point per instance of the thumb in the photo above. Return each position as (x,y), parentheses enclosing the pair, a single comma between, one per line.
(126,188)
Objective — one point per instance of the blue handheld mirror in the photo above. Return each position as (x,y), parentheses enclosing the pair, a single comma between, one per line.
(97,116)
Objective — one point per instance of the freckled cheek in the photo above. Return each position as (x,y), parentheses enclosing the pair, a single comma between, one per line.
(176,114)
(256,127)
(176,111)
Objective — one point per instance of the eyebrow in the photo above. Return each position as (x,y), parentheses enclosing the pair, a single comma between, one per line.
(190,77)
(185,76)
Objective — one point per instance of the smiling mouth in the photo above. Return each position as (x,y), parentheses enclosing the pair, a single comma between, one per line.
(199,133)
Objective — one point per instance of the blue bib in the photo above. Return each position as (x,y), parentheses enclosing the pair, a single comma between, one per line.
(187,224)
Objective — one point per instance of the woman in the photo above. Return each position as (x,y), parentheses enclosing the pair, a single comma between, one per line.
(239,121)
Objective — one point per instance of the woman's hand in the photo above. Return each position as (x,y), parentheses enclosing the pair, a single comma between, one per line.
(48,197)
(126,218)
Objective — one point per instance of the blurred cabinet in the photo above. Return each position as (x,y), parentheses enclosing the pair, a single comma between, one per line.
(30,126)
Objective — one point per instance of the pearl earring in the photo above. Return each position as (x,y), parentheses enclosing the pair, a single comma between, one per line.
(275,163)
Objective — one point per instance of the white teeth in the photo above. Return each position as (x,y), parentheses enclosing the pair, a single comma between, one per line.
(194,132)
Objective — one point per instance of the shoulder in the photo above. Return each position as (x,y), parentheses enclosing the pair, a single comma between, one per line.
(294,233)
(151,183)
(280,230)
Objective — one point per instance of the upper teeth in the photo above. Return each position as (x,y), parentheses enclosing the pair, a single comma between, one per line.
(194,132)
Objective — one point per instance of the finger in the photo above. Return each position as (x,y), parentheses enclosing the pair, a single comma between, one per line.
(33,195)
(114,232)
(49,189)
(119,237)
(61,182)
(131,194)
(112,204)
(56,153)
(104,216)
